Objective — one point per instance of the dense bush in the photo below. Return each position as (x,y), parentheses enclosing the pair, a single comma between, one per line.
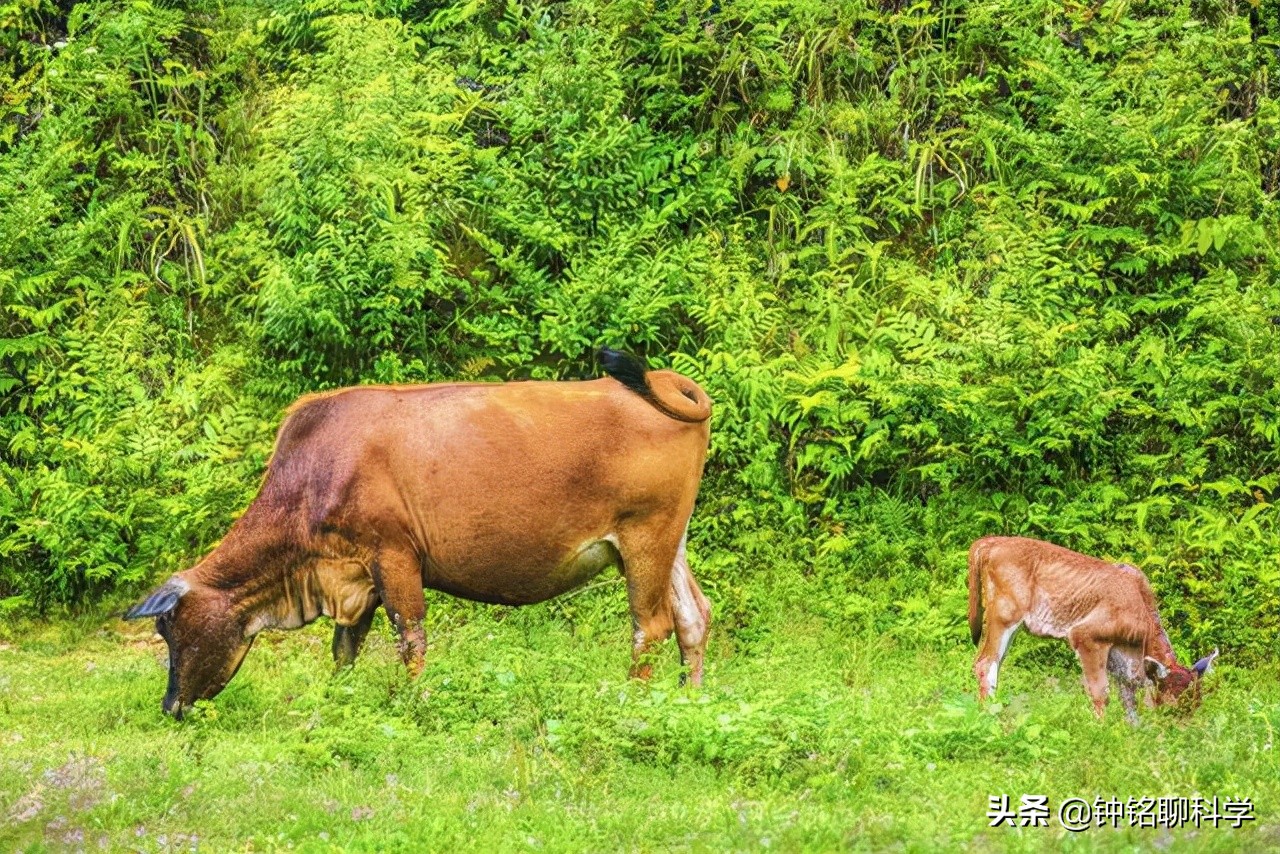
(947,269)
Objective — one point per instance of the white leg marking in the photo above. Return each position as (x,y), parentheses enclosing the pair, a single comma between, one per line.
(688,614)
(994,671)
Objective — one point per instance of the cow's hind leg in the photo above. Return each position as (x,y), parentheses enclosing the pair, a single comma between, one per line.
(348,639)
(997,632)
(692,615)
(397,577)
(649,567)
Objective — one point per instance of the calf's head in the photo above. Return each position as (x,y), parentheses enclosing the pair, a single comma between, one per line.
(206,641)
(1171,682)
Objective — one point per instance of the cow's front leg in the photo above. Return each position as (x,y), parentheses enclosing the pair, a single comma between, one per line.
(348,639)
(1123,663)
(1093,660)
(1129,696)
(397,576)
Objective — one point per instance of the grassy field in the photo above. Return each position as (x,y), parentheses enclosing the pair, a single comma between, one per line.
(524,734)
(946,269)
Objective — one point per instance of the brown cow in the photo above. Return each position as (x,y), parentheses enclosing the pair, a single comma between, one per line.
(508,493)
(1107,613)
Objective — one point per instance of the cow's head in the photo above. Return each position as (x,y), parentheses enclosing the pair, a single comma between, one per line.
(206,640)
(1172,682)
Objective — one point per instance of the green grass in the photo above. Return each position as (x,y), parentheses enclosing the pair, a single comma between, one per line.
(524,734)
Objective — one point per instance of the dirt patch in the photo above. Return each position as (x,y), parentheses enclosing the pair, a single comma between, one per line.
(83,779)
(28,806)
(64,834)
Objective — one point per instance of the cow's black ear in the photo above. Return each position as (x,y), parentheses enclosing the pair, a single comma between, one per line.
(162,601)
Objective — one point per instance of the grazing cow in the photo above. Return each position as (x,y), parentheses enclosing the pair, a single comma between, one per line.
(1106,611)
(509,493)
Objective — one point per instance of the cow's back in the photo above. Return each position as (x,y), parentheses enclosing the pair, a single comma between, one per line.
(1059,588)
(493,485)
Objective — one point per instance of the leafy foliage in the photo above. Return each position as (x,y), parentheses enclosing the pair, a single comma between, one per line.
(946,270)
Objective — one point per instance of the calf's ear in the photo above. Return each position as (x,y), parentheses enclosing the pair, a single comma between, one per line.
(162,601)
(1155,670)
(1202,666)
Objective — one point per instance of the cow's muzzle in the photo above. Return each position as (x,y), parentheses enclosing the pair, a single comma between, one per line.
(175,707)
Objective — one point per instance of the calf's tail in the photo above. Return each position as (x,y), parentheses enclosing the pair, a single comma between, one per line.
(672,394)
(977,556)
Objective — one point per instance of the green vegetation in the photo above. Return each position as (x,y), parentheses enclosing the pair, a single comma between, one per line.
(523,734)
(947,269)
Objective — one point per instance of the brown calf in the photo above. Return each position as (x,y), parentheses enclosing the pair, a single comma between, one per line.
(509,493)
(1107,613)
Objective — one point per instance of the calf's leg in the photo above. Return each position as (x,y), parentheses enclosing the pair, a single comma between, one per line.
(998,630)
(1121,663)
(1129,696)
(1093,660)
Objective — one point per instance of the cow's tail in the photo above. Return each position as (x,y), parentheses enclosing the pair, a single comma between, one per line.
(977,557)
(672,394)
